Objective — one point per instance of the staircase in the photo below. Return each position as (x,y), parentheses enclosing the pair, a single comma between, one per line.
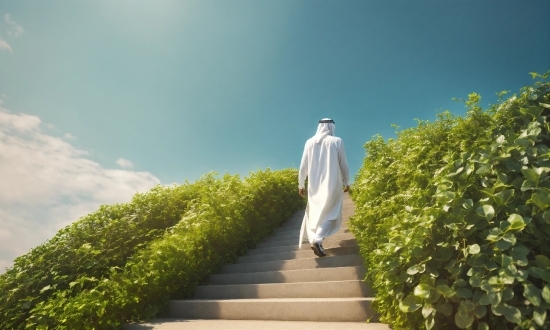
(279,286)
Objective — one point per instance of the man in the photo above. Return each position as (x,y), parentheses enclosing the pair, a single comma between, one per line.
(326,168)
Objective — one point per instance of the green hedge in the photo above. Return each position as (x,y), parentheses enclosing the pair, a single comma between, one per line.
(453,218)
(123,262)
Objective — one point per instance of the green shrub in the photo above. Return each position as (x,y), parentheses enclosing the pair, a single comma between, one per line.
(453,221)
(86,250)
(224,218)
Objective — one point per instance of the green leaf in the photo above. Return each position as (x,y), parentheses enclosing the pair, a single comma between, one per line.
(474,249)
(519,255)
(464,320)
(483,326)
(513,164)
(410,304)
(430,322)
(434,297)
(416,269)
(516,222)
(460,282)
(468,204)
(445,309)
(480,311)
(427,310)
(546,293)
(504,196)
(522,275)
(483,169)
(503,245)
(546,216)
(535,272)
(533,111)
(542,261)
(532,293)
(541,199)
(475,281)
(507,294)
(511,313)
(466,306)
(503,177)
(507,274)
(484,299)
(510,237)
(46,288)
(486,211)
(528,185)
(423,291)
(445,290)
(531,174)
(494,234)
(464,293)
(539,316)
(504,260)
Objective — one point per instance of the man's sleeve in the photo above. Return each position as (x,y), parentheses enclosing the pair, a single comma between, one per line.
(343,164)
(302,174)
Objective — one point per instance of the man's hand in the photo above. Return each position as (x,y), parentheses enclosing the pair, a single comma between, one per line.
(302,191)
(346,188)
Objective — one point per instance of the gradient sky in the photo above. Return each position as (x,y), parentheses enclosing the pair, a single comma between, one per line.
(146,92)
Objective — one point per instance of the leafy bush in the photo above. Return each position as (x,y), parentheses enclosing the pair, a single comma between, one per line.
(453,220)
(204,225)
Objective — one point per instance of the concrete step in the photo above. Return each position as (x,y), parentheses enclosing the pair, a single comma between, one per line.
(301,254)
(290,231)
(328,244)
(296,234)
(294,241)
(309,263)
(283,309)
(332,289)
(184,324)
(291,276)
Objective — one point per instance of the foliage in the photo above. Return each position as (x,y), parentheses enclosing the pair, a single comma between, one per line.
(453,218)
(123,262)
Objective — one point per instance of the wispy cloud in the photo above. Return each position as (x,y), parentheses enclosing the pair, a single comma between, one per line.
(4,46)
(47,183)
(124,163)
(14,29)
(69,136)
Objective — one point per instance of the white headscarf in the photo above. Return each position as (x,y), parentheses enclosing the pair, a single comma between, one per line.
(323,130)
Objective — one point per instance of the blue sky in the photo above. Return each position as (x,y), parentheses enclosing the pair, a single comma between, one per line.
(147,92)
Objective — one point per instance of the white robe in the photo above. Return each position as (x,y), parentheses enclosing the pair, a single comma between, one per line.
(325,165)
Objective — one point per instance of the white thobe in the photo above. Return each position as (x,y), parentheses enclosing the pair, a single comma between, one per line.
(325,165)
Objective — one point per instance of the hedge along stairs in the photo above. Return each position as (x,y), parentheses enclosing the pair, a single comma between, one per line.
(279,286)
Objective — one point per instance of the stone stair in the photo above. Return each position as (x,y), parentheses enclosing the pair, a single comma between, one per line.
(281,283)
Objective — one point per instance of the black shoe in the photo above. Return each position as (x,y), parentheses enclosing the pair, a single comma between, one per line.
(316,247)
(322,250)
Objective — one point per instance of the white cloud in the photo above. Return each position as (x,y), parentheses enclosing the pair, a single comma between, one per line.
(14,29)
(46,183)
(70,136)
(5,46)
(124,163)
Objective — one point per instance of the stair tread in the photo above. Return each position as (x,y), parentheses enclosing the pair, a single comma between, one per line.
(267,300)
(184,324)
(289,275)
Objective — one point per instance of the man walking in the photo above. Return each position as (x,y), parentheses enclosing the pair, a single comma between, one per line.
(325,166)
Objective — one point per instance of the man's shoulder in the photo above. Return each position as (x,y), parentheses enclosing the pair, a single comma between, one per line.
(310,141)
(334,139)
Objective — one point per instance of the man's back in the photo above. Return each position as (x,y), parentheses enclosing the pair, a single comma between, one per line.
(325,164)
